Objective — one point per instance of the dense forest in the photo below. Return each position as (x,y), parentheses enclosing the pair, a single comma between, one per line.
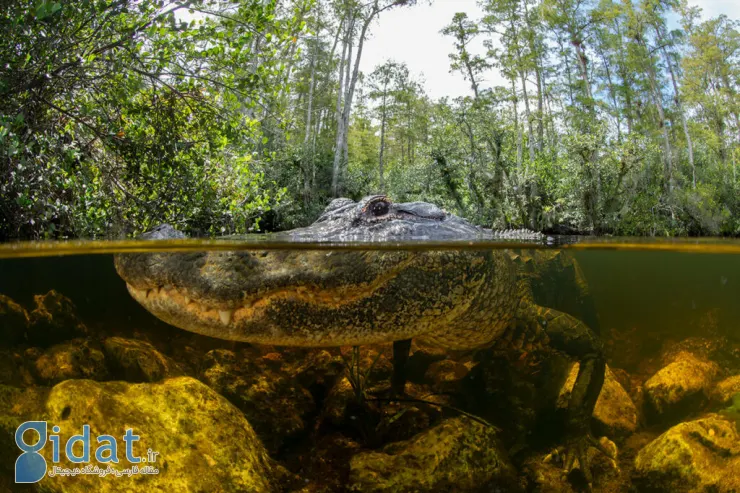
(618,116)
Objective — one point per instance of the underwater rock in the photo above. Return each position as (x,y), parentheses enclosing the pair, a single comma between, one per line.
(376,361)
(13,321)
(334,411)
(421,359)
(17,406)
(699,455)
(457,455)
(271,398)
(375,420)
(326,466)
(714,349)
(725,390)
(317,371)
(54,320)
(445,375)
(204,442)
(138,361)
(78,358)
(679,388)
(732,412)
(545,477)
(615,412)
(13,370)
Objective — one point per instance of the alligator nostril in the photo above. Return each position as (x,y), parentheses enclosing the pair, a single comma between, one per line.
(66,412)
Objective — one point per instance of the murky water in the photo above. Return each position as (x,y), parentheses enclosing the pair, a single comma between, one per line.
(79,354)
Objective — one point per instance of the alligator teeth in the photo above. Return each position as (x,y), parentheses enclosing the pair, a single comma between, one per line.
(225,316)
(248,304)
(187,300)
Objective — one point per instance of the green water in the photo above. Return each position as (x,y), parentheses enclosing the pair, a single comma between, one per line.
(488,417)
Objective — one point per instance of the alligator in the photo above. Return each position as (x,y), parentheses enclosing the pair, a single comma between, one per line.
(460,299)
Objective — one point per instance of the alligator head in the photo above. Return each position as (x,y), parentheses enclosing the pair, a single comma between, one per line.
(320,297)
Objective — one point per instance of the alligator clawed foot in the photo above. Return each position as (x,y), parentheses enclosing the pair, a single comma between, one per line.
(574,455)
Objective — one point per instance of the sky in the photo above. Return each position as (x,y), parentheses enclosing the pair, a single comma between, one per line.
(412,35)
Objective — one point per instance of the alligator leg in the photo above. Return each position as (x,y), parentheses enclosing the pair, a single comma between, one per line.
(401,350)
(571,336)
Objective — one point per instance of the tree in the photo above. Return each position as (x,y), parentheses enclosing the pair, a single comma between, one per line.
(120,102)
(355,13)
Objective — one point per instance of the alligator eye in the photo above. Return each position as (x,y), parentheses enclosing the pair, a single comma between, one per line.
(380,208)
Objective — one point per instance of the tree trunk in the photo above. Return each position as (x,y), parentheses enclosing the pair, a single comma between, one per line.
(528,114)
(520,138)
(658,101)
(341,149)
(307,155)
(336,169)
(538,66)
(382,145)
(612,94)
(684,123)
(626,80)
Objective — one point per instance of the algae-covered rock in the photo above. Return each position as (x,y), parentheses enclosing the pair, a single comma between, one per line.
(681,387)
(615,412)
(204,442)
(317,370)
(700,455)
(13,321)
(79,358)
(326,466)
(138,361)
(445,375)
(732,411)
(457,455)
(725,390)
(14,369)
(54,320)
(334,412)
(271,399)
(17,406)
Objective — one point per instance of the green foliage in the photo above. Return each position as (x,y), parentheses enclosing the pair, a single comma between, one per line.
(118,115)
(223,116)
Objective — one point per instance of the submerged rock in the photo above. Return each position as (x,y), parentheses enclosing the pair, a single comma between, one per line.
(446,375)
(317,370)
(204,442)
(615,412)
(457,455)
(54,320)
(13,321)
(679,388)
(725,390)
(14,370)
(271,399)
(700,455)
(715,348)
(17,406)
(138,361)
(79,358)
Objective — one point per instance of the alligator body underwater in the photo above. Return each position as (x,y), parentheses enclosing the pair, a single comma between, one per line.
(458,299)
